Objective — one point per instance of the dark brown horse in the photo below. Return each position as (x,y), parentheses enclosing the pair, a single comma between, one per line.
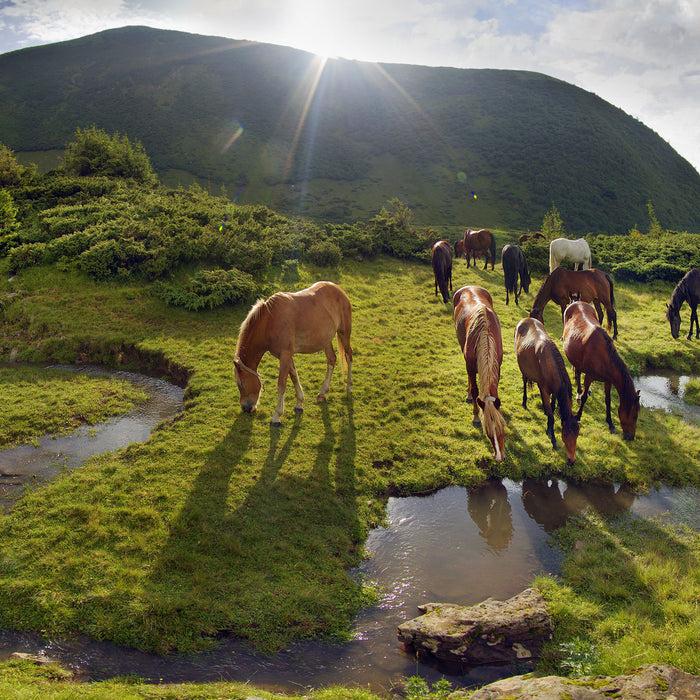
(481,241)
(459,247)
(441,259)
(514,266)
(592,352)
(525,237)
(594,286)
(688,289)
(540,361)
(288,323)
(479,337)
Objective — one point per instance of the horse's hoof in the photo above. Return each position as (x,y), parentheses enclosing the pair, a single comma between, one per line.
(476,423)
(298,410)
(276,423)
(320,398)
(469,399)
(612,429)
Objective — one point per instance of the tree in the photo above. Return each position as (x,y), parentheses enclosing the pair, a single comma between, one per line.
(94,152)
(11,172)
(8,212)
(552,225)
(654,225)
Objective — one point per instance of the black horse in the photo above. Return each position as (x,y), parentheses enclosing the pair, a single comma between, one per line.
(688,289)
(514,265)
(441,258)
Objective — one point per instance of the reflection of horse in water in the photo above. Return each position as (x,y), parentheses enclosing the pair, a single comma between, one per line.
(544,502)
(489,508)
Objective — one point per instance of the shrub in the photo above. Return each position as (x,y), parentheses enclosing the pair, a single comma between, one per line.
(325,254)
(208,289)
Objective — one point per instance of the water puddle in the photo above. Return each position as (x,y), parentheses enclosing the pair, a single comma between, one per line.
(454,546)
(29,464)
(665,392)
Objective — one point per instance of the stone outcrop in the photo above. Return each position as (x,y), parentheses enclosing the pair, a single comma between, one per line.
(653,682)
(492,632)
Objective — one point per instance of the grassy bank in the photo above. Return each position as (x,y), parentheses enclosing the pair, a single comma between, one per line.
(220,522)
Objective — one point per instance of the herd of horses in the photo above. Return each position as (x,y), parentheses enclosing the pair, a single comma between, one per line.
(307,321)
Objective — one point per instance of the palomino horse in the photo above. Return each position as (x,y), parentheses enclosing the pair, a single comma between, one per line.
(577,252)
(288,323)
(479,336)
(592,352)
(688,289)
(514,265)
(481,241)
(594,286)
(441,259)
(540,361)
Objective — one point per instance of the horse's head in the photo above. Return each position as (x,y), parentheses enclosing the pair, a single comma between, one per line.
(628,412)
(673,316)
(249,385)
(494,425)
(536,313)
(569,434)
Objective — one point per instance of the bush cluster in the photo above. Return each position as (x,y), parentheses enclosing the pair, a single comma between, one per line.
(208,289)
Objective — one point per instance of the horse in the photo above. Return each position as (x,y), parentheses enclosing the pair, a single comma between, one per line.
(577,252)
(525,237)
(288,323)
(459,247)
(479,336)
(540,361)
(592,352)
(514,264)
(594,286)
(688,289)
(481,241)
(441,259)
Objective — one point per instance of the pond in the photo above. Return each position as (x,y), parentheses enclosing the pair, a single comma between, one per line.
(456,545)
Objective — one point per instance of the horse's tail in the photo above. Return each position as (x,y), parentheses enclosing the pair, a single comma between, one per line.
(612,292)
(552,259)
(343,334)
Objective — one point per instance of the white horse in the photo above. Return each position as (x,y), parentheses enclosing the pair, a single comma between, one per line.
(577,251)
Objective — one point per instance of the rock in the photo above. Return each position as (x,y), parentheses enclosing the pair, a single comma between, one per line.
(492,632)
(653,682)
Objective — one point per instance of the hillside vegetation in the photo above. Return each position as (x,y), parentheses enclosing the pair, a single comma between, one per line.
(334,141)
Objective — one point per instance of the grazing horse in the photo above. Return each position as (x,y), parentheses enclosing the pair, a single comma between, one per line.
(525,237)
(441,259)
(594,286)
(459,247)
(688,289)
(592,352)
(577,252)
(479,336)
(514,265)
(288,323)
(540,361)
(481,241)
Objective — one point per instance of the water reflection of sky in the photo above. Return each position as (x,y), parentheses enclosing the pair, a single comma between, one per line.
(665,392)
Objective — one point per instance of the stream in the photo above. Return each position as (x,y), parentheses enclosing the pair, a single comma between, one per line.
(455,545)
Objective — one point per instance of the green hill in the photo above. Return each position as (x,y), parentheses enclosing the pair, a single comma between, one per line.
(336,141)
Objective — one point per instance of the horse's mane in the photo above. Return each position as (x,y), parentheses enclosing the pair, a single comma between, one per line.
(260,306)
(628,389)
(486,358)
(680,294)
(543,293)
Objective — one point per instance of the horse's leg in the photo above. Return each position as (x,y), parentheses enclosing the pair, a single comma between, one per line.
(524,392)
(474,393)
(586,386)
(549,412)
(612,318)
(285,368)
(297,388)
(577,376)
(330,366)
(693,317)
(608,417)
(599,311)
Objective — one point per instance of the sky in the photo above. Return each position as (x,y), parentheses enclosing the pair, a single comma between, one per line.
(642,56)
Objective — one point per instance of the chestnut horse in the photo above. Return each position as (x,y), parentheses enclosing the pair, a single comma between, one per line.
(594,286)
(540,361)
(514,265)
(592,352)
(288,323)
(481,241)
(479,336)
(441,259)
(688,289)
(459,247)
(578,252)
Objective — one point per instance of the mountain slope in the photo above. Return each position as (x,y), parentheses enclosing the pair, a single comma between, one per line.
(335,141)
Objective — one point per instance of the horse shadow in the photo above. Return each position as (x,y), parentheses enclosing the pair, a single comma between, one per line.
(245,534)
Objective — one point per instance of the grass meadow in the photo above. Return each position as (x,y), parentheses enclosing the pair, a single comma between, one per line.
(222,523)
